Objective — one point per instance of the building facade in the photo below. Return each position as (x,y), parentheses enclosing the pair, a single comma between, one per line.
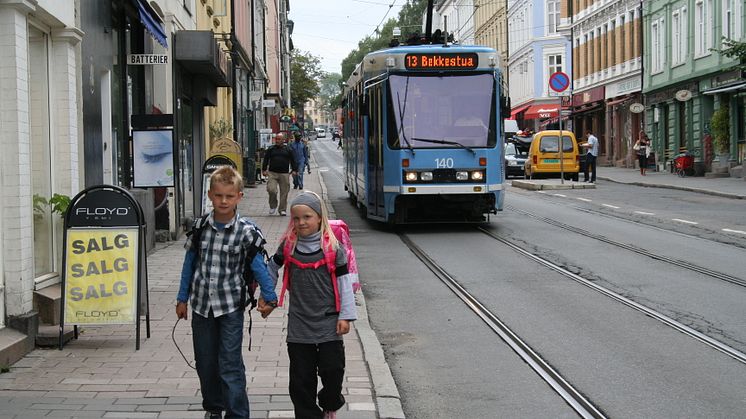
(687,80)
(491,27)
(457,18)
(536,49)
(607,74)
(40,135)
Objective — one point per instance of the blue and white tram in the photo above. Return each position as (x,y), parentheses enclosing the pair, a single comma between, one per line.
(423,134)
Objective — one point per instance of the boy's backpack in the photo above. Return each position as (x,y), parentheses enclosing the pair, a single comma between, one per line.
(342,233)
(256,247)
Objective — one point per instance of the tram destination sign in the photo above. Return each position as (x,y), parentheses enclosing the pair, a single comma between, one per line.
(441,61)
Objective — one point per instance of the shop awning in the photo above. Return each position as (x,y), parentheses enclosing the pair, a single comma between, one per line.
(723,89)
(618,100)
(518,110)
(542,111)
(151,22)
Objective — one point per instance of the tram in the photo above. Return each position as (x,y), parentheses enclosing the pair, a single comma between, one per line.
(423,133)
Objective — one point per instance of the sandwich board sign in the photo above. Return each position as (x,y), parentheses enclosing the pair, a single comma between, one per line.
(104,275)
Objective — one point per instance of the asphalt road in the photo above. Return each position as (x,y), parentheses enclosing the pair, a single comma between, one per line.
(447,363)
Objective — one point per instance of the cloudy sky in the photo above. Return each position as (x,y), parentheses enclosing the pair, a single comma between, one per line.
(330,29)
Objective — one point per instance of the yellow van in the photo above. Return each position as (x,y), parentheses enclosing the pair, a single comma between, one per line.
(544,157)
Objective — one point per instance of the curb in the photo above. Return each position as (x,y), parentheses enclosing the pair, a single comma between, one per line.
(681,188)
(538,186)
(386,394)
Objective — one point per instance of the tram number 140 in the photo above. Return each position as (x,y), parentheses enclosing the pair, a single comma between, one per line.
(444,163)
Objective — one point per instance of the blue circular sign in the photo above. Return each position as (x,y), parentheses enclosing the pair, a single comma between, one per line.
(559,81)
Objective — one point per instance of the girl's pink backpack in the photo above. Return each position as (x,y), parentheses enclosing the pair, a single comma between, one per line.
(342,233)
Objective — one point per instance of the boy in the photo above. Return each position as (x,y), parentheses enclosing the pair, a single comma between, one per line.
(213,279)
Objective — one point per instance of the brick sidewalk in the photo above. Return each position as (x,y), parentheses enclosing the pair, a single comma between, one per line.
(101,374)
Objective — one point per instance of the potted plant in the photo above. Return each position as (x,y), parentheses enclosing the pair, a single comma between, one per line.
(720,123)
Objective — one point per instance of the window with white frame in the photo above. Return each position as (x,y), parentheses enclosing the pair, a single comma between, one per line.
(702,26)
(658,46)
(554,64)
(732,26)
(553,16)
(679,36)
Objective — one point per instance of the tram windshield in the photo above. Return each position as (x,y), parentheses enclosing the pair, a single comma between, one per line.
(442,111)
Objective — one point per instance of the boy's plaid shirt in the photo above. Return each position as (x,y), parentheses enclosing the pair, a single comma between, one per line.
(217,277)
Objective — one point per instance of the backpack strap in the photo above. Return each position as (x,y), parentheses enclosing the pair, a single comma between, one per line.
(330,258)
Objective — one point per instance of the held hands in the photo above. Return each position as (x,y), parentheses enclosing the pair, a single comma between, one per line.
(181,310)
(264,173)
(265,309)
(343,327)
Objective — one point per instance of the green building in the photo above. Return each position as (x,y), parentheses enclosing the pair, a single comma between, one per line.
(686,80)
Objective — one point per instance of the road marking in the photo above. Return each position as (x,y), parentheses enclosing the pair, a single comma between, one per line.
(584,199)
(540,191)
(727,230)
(610,206)
(560,195)
(323,169)
(644,213)
(684,221)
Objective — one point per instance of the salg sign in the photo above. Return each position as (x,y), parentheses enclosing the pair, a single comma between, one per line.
(104,276)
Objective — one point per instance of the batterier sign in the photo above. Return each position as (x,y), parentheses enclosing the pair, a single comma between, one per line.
(101,285)
(104,275)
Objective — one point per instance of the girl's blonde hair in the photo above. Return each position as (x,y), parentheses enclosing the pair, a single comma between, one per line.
(332,244)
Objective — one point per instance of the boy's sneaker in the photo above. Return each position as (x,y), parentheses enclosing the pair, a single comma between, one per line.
(213,415)
(283,213)
(330,414)
(272,211)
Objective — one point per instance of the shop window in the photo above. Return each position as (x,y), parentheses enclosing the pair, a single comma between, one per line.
(41,162)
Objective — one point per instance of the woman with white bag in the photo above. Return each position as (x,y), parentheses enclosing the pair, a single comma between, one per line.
(642,148)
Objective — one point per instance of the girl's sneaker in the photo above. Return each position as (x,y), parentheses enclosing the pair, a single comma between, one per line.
(330,414)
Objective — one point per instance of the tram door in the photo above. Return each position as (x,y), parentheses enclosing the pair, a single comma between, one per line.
(375,154)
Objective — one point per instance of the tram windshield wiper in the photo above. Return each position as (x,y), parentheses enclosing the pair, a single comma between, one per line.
(456,143)
(402,111)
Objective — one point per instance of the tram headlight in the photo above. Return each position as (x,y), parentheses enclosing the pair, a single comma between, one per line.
(462,175)
(477,175)
(426,176)
(410,176)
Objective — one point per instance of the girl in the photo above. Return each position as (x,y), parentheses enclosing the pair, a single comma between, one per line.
(322,305)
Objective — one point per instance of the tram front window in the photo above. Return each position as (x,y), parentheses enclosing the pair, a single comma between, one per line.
(438,111)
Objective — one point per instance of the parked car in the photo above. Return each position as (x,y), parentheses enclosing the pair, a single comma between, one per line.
(544,156)
(515,158)
(320,133)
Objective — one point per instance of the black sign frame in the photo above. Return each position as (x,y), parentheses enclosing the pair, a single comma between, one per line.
(441,61)
(107,206)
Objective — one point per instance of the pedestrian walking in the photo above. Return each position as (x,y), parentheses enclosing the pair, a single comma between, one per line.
(322,305)
(278,162)
(301,156)
(591,155)
(642,148)
(212,283)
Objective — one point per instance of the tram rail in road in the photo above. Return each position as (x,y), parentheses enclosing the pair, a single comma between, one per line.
(713,343)
(572,396)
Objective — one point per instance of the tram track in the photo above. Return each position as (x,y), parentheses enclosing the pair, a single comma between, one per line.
(564,389)
(675,262)
(707,340)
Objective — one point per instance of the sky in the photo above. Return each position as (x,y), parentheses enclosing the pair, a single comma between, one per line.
(330,29)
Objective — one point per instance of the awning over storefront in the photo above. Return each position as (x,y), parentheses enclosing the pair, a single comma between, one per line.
(723,89)
(542,111)
(518,110)
(151,22)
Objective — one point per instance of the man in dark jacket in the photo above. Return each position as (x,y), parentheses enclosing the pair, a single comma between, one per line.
(278,162)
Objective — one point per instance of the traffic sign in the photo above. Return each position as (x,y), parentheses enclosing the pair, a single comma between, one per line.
(559,81)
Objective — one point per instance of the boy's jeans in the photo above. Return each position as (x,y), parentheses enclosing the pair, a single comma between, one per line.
(217,352)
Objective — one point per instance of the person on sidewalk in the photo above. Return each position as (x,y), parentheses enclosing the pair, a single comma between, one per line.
(300,154)
(591,155)
(322,305)
(642,148)
(278,162)
(212,282)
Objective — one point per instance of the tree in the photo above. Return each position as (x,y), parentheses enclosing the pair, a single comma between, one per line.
(409,21)
(305,75)
(735,49)
(330,92)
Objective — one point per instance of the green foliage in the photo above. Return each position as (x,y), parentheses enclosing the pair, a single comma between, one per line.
(720,123)
(59,204)
(734,49)
(305,76)
(409,20)
(330,92)
(220,129)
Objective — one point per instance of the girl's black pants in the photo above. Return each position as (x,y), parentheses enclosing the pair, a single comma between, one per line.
(307,361)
